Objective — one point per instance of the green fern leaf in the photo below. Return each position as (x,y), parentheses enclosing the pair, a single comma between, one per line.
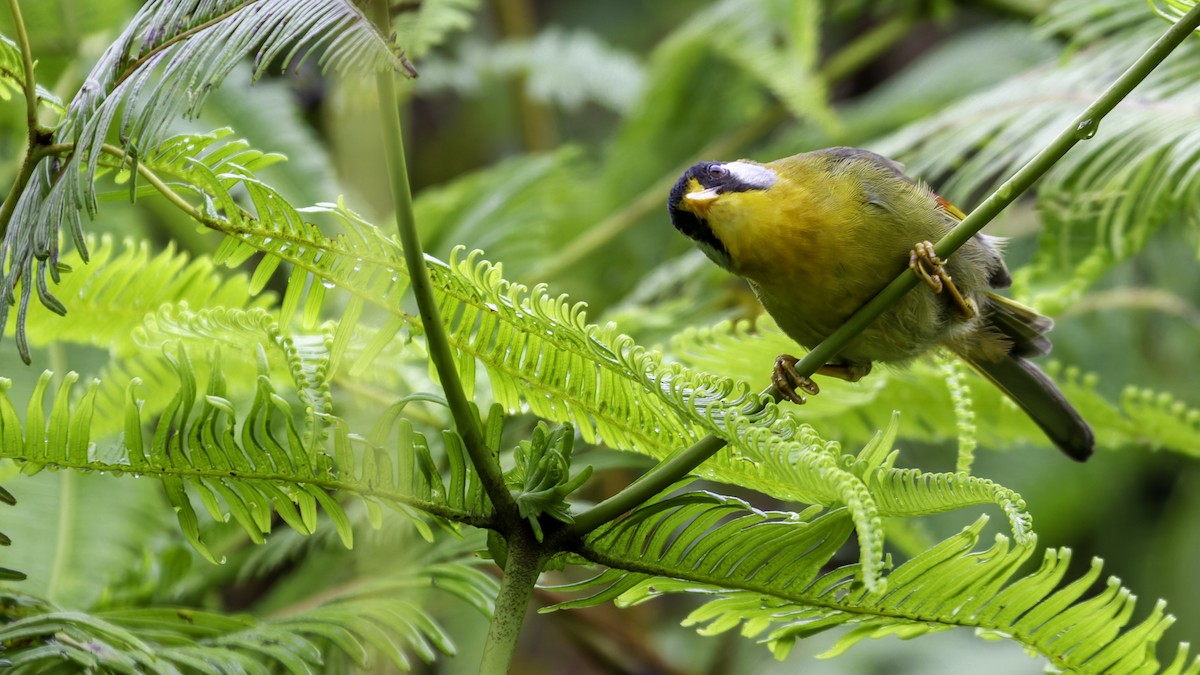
(121,285)
(379,617)
(248,465)
(161,67)
(1174,10)
(770,575)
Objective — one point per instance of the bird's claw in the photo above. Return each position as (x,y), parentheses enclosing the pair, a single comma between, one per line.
(787,380)
(926,264)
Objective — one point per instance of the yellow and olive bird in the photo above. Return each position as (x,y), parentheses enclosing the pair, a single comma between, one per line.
(818,234)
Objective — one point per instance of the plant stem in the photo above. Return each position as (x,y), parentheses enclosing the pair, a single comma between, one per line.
(1082,127)
(649,484)
(157,183)
(34,131)
(30,84)
(521,572)
(484,461)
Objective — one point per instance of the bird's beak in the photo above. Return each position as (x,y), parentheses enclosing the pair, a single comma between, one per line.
(703,199)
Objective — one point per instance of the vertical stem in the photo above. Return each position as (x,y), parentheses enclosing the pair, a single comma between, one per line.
(29,87)
(435,333)
(521,572)
(30,84)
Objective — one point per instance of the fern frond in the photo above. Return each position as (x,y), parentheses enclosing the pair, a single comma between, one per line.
(383,618)
(769,572)
(120,285)
(246,464)
(1103,200)
(1174,10)
(162,66)
(131,303)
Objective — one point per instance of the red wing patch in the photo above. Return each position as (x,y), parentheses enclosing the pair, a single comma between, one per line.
(950,208)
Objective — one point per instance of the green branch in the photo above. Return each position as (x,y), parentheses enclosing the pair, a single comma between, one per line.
(1082,128)
(485,463)
(521,571)
(29,88)
(158,184)
(30,84)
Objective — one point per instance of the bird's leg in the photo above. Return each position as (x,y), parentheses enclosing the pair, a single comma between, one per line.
(845,371)
(929,267)
(787,380)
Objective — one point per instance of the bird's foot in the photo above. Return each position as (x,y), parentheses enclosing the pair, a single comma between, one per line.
(929,267)
(787,380)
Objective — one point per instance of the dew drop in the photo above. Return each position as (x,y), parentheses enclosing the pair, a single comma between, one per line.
(328,284)
(1086,129)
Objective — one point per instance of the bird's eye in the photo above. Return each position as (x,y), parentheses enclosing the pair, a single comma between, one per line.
(717,171)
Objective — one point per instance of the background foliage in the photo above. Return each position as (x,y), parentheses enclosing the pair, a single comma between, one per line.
(545,133)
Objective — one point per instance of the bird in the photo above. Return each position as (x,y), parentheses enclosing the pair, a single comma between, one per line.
(820,233)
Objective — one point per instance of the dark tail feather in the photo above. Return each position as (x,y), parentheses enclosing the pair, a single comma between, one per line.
(1021,324)
(1035,393)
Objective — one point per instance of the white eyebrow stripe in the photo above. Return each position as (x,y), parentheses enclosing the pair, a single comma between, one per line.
(754,175)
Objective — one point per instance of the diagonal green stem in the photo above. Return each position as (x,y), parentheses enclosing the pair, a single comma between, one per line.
(1083,127)
(651,483)
(435,332)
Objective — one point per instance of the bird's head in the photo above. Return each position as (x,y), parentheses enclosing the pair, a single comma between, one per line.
(701,188)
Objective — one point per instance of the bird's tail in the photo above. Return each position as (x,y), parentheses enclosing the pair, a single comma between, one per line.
(1035,393)
(1023,382)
